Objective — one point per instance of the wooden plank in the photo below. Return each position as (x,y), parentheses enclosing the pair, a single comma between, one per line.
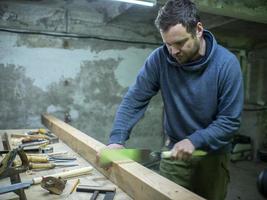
(1,144)
(136,180)
(7,141)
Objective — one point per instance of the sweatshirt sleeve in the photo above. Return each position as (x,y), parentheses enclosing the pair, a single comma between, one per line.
(230,105)
(135,102)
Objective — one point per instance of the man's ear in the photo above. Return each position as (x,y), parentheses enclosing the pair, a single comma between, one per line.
(199,30)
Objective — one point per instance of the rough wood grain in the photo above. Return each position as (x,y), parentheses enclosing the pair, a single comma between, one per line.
(136,180)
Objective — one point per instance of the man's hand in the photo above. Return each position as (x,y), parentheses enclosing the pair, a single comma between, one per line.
(110,146)
(115,146)
(182,150)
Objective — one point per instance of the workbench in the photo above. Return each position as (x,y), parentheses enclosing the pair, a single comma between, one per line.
(35,192)
(132,180)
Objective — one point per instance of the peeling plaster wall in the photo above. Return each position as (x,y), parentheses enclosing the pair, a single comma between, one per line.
(84,78)
(38,75)
(87,78)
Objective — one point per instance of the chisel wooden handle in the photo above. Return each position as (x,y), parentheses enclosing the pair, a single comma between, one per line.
(38,159)
(34,137)
(167,154)
(42,166)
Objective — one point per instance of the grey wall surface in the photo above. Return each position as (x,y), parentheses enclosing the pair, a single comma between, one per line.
(254,120)
(80,57)
(87,81)
(85,78)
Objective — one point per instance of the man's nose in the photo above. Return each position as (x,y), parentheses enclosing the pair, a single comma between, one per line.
(175,50)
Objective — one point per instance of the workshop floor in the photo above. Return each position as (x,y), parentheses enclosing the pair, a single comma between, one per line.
(243,180)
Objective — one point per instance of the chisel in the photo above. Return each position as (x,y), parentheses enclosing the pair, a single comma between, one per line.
(50,165)
(46,159)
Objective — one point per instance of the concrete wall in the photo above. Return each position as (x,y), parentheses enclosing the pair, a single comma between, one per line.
(85,73)
(254,121)
(81,77)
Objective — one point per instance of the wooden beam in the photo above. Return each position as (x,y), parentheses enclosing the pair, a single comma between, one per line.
(136,180)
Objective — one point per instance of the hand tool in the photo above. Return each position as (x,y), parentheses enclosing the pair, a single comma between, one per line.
(46,149)
(107,156)
(42,166)
(39,146)
(38,131)
(167,154)
(39,149)
(36,162)
(13,187)
(53,185)
(52,137)
(46,159)
(109,191)
(28,137)
(30,140)
(37,180)
(30,144)
(58,153)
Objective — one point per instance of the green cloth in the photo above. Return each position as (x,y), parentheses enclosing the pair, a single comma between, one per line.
(207,176)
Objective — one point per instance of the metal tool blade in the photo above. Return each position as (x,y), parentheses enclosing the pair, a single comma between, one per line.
(143,156)
(65,164)
(107,156)
(62,158)
(13,187)
(31,144)
(60,161)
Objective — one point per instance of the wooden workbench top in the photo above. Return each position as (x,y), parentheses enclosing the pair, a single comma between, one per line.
(137,181)
(35,192)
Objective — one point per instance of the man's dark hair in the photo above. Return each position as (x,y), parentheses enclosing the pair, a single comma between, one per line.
(178,12)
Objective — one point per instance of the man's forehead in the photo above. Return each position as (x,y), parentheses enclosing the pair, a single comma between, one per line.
(175,34)
(176,27)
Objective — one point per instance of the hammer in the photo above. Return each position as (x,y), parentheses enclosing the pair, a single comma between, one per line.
(109,191)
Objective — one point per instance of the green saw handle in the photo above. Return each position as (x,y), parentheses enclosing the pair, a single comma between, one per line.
(167,154)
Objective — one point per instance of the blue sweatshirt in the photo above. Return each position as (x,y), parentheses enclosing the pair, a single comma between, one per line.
(202,100)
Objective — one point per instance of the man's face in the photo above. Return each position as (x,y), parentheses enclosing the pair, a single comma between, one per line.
(181,44)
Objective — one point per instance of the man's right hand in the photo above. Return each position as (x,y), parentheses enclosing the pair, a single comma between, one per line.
(110,146)
(115,146)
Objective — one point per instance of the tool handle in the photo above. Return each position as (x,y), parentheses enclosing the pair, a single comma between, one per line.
(66,174)
(167,154)
(42,131)
(91,188)
(42,166)
(38,159)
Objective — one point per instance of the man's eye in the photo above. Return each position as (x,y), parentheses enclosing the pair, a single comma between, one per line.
(180,43)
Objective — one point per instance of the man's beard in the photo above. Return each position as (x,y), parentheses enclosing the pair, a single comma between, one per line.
(185,57)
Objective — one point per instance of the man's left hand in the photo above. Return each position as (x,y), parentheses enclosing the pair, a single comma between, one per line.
(183,150)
